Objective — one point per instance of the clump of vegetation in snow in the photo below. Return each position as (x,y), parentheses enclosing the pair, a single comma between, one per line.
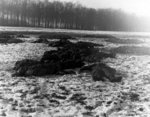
(8,38)
(68,55)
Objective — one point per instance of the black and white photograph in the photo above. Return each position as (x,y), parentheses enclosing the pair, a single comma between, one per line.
(74,58)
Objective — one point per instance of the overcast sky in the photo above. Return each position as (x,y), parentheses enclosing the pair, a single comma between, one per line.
(138,7)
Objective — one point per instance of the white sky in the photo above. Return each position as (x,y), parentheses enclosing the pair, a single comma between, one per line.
(138,7)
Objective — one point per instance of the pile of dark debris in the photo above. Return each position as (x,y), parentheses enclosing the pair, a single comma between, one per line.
(81,55)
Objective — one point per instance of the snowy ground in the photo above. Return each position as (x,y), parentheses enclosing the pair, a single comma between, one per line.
(74,95)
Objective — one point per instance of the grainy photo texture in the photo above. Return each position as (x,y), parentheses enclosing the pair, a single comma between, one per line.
(74,58)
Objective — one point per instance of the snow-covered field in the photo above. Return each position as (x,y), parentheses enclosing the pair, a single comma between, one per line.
(74,95)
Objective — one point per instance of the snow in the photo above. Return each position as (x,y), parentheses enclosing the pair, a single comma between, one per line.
(51,96)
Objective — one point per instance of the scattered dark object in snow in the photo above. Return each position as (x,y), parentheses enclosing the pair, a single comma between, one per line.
(89,107)
(134,97)
(6,35)
(67,59)
(55,36)
(34,68)
(14,41)
(134,50)
(61,43)
(124,41)
(86,50)
(6,38)
(24,63)
(22,36)
(41,41)
(141,109)
(102,72)
(67,43)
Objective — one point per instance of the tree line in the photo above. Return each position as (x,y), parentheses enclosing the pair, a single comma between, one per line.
(65,15)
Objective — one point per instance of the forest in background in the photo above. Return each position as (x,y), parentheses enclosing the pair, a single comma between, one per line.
(67,15)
